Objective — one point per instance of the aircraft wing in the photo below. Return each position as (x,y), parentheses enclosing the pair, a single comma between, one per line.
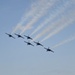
(13,37)
(22,37)
(25,42)
(32,44)
(7,33)
(52,51)
(25,36)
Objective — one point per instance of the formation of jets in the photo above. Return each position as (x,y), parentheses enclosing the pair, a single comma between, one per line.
(28,43)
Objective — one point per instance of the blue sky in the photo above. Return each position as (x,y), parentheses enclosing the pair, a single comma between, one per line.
(16,58)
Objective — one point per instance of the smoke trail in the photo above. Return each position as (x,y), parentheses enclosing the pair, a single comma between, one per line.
(63,42)
(48,29)
(41,13)
(57,24)
(22,27)
(66,22)
(17,27)
(33,10)
(51,17)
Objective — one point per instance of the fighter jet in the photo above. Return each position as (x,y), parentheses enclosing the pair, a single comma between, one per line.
(19,36)
(28,43)
(28,37)
(48,49)
(10,35)
(37,43)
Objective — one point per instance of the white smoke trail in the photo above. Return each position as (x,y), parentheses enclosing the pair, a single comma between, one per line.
(22,27)
(64,42)
(58,23)
(49,28)
(18,26)
(33,10)
(66,21)
(51,17)
(41,13)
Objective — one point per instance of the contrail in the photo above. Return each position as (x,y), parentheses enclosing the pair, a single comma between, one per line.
(17,27)
(48,29)
(51,17)
(56,24)
(41,13)
(64,42)
(33,10)
(66,22)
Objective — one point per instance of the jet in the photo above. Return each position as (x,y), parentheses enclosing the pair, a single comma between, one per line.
(48,49)
(28,37)
(28,43)
(10,35)
(19,36)
(37,43)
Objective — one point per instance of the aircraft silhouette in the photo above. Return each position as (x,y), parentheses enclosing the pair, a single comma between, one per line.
(19,36)
(28,43)
(37,43)
(10,35)
(48,49)
(28,37)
